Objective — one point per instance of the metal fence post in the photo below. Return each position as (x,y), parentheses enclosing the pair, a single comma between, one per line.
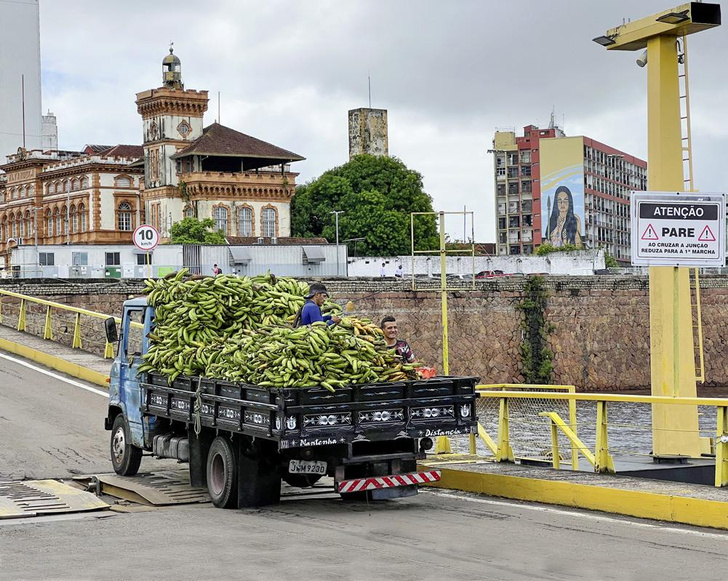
(604,462)
(21,315)
(573,426)
(505,452)
(48,327)
(721,447)
(555,459)
(77,332)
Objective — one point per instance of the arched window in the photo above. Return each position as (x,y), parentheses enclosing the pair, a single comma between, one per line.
(66,186)
(15,226)
(221,219)
(21,226)
(189,212)
(84,182)
(57,221)
(123,182)
(74,219)
(64,218)
(269,222)
(49,223)
(245,221)
(75,184)
(124,217)
(82,216)
(28,224)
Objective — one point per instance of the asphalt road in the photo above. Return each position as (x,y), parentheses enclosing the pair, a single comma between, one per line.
(436,535)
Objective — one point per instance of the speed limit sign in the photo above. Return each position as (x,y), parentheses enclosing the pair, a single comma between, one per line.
(146,237)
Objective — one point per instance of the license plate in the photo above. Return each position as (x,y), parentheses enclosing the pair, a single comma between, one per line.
(307,467)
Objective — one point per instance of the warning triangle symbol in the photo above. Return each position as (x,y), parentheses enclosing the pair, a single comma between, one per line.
(650,234)
(706,235)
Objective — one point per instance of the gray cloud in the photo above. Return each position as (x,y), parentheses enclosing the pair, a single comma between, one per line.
(448,73)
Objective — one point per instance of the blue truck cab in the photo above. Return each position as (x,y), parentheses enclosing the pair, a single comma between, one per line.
(241,440)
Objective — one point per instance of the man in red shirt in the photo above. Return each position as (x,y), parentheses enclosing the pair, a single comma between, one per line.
(401,348)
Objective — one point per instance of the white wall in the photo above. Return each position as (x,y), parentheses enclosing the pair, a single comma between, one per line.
(576,263)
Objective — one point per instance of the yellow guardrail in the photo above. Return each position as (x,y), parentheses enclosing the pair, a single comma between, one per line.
(601,458)
(488,441)
(77,342)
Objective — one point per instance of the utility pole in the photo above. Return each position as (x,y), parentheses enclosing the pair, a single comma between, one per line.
(336,214)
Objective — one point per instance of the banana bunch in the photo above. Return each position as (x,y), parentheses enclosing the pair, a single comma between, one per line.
(239,329)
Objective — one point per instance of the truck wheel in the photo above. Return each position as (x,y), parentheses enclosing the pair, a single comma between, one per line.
(125,457)
(222,474)
(302,480)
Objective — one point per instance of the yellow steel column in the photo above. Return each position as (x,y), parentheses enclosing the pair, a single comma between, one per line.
(443,294)
(674,428)
(442,443)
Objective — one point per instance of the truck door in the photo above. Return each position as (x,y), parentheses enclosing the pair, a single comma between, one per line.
(130,358)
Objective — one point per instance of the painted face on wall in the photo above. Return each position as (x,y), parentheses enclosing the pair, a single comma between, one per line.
(562,201)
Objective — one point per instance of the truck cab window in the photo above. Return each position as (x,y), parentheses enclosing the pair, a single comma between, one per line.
(134,340)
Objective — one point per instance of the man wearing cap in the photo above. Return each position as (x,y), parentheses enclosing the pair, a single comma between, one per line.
(311,311)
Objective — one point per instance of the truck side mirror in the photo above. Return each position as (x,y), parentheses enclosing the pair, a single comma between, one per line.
(110,327)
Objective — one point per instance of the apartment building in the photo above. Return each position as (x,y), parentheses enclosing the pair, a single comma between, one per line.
(562,190)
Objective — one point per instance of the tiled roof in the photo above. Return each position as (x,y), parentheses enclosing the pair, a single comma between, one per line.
(286,241)
(219,140)
(132,151)
(91,149)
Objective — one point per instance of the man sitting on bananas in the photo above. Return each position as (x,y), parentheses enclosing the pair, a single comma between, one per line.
(401,348)
(311,310)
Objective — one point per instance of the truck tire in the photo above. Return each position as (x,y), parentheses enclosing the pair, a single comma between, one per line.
(301,480)
(222,474)
(125,457)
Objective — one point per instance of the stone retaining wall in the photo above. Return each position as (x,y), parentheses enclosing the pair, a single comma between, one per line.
(600,324)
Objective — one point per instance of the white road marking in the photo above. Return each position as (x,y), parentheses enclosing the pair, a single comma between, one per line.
(55,375)
(585,515)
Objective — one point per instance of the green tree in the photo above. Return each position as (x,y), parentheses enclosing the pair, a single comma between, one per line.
(194,231)
(377,195)
(548,248)
(610,261)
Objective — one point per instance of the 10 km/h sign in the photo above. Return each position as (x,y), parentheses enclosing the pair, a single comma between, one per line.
(678,229)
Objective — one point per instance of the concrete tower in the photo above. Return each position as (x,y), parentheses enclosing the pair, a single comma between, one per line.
(19,61)
(368,132)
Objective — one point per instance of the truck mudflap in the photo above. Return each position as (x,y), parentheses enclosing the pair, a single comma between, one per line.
(379,482)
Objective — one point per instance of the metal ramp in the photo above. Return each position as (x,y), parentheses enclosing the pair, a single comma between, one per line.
(44,497)
(154,489)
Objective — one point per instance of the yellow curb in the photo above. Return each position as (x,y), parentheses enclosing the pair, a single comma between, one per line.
(72,369)
(662,507)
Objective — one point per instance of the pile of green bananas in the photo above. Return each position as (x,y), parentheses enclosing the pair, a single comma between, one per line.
(239,329)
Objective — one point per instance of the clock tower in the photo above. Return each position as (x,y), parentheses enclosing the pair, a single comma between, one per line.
(172,119)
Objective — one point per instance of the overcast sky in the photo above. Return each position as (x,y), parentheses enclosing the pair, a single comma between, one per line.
(449,73)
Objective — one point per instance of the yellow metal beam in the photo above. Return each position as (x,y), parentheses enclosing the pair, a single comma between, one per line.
(635,35)
(577,444)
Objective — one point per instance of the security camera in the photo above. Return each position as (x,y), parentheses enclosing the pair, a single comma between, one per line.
(642,60)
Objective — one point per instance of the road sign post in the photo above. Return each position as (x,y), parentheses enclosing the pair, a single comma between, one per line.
(146,238)
(678,229)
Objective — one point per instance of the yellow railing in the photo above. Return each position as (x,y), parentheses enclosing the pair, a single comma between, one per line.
(488,440)
(601,458)
(50,306)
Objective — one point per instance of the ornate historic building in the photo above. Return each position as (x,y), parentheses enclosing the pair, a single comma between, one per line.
(241,182)
(70,197)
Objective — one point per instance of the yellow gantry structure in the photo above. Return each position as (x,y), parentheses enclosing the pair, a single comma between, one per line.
(674,428)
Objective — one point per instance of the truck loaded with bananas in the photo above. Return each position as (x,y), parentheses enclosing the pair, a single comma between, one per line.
(224,381)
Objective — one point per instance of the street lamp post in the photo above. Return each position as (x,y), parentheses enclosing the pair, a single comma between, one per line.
(336,214)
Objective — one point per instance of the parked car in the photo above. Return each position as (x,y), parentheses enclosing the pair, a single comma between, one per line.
(490,274)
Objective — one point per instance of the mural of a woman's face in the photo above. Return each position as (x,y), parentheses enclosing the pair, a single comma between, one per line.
(562,201)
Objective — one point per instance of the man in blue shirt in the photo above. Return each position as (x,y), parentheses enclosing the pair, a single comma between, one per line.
(311,311)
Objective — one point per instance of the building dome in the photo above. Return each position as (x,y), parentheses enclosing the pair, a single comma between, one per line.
(172,71)
(171,59)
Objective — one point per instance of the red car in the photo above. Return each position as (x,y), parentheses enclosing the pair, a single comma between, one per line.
(490,274)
